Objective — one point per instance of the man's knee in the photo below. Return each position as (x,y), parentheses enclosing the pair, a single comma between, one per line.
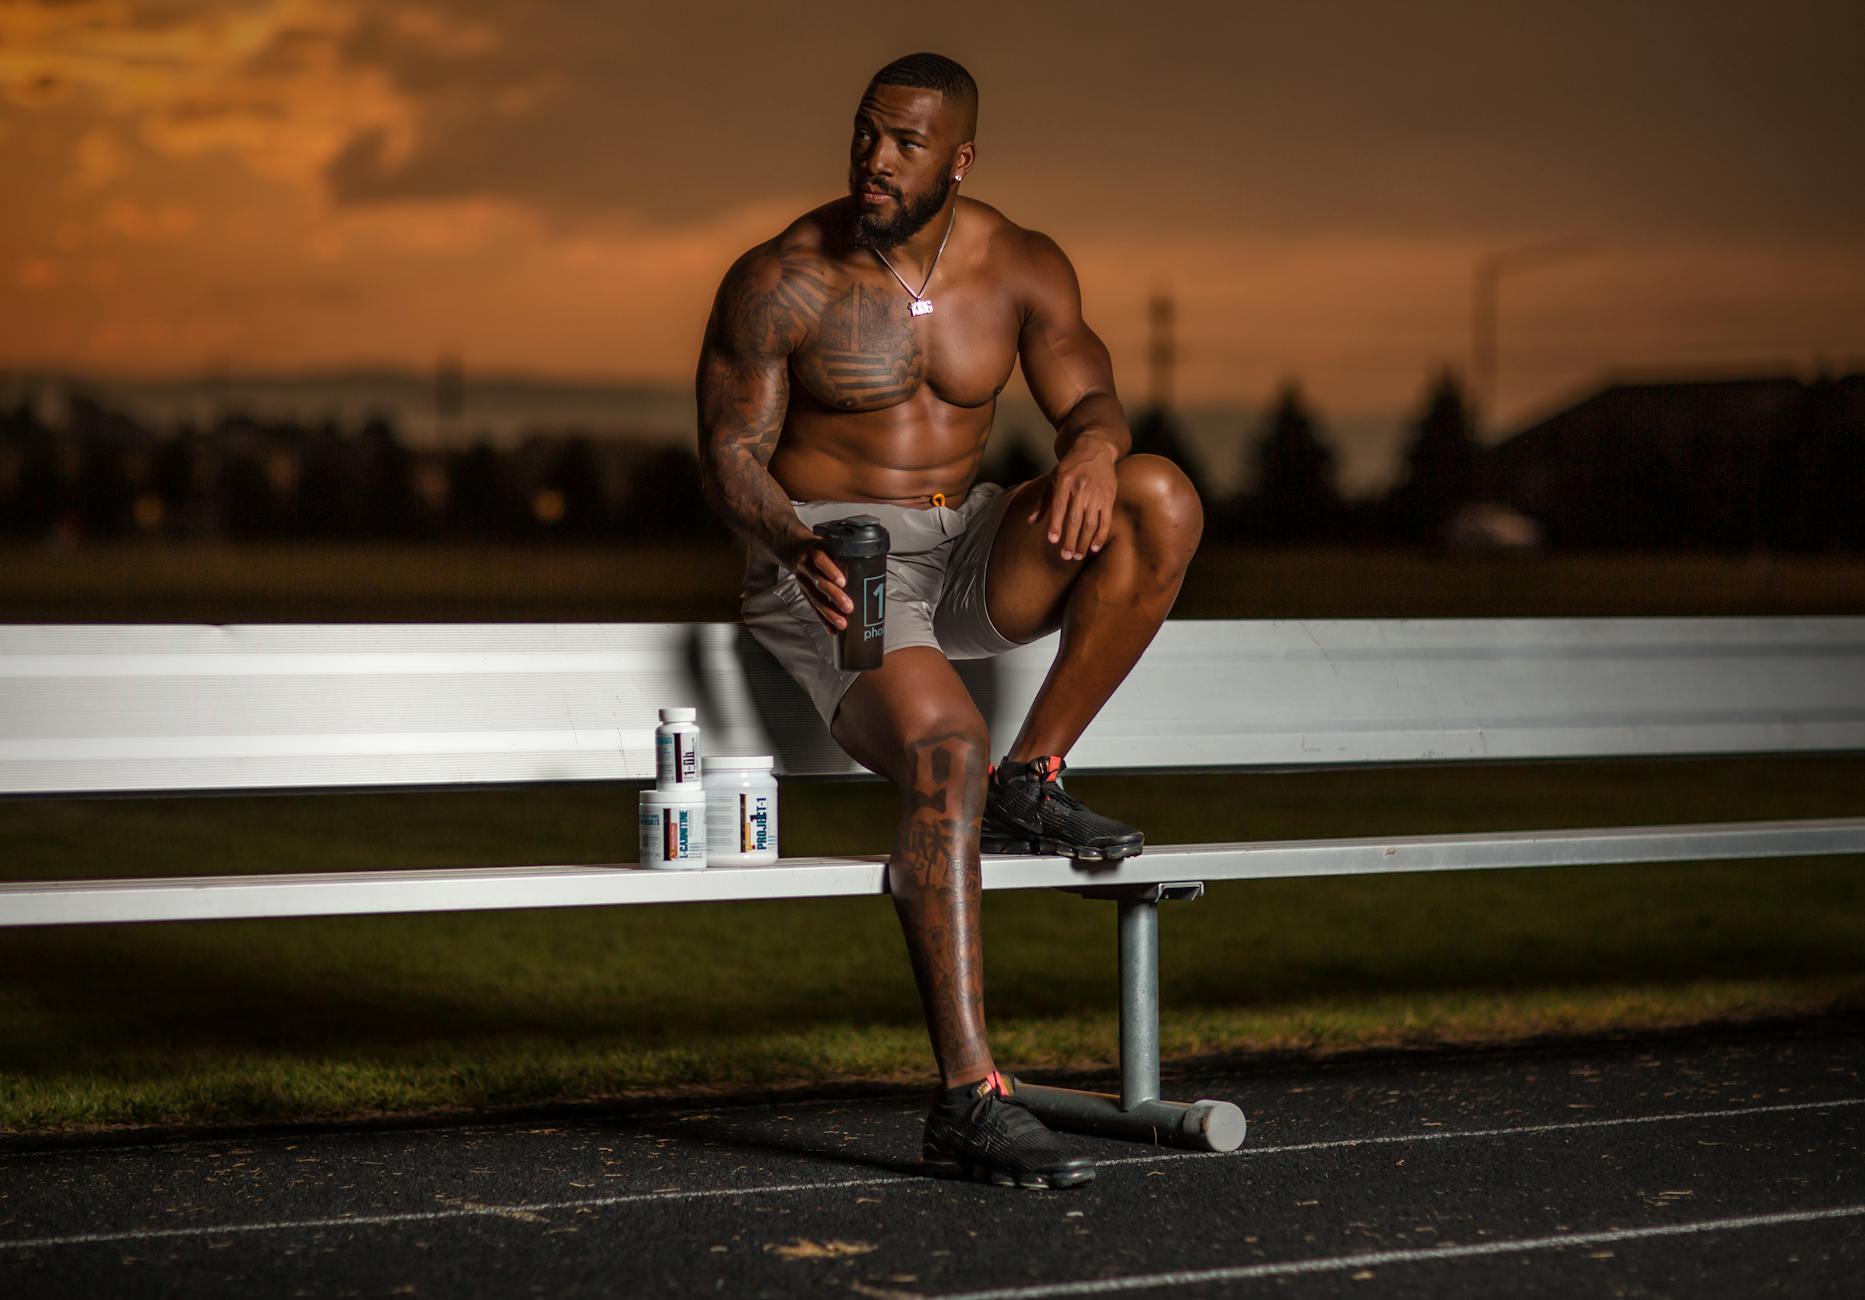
(945,756)
(942,783)
(916,726)
(1160,503)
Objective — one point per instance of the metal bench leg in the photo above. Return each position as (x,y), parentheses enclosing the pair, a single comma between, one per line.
(1138,1112)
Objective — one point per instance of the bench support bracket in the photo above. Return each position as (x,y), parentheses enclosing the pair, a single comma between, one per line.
(1138,1112)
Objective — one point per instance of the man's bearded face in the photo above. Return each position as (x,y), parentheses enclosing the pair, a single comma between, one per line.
(900,220)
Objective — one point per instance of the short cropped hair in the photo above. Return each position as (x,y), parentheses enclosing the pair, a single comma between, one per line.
(926,71)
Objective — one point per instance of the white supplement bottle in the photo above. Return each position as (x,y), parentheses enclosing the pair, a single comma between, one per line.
(741,811)
(676,751)
(673,829)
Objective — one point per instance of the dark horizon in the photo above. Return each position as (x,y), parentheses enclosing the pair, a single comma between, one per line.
(1709,463)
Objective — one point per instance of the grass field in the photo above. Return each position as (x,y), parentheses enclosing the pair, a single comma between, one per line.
(325,1018)
(333,1017)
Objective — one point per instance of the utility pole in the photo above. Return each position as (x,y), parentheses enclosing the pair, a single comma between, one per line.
(1485,309)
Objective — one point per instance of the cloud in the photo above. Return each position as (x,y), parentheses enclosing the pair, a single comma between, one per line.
(39,272)
(1680,116)
(99,159)
(445,36)
(1464,121)
(265,82)
(153,224)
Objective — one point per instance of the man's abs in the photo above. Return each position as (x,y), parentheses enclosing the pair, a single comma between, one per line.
(902,454)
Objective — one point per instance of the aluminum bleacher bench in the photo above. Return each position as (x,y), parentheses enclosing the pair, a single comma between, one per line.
(123,709)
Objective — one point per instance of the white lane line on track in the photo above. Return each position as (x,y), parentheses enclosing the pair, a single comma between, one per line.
(1384,1258)
(909,1180)
(467,1211)
(1521,1130)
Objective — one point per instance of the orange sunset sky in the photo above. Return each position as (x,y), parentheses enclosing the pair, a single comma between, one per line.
(556,188)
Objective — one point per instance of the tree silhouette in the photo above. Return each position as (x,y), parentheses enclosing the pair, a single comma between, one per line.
(666,503)
(330,500)
(172,478)
(1443,461)
(392,509)
(105,496)
(1295,494)
(577,478)
(41,495)
(482,500)
(247,508)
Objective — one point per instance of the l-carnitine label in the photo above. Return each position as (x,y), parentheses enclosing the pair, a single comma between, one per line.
(673,836)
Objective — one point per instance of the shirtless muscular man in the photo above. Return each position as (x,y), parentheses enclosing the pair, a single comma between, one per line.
(851,365)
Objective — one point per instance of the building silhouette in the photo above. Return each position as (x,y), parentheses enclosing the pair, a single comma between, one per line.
(1723,463)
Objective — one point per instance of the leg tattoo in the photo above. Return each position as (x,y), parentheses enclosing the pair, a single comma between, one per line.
(938,892)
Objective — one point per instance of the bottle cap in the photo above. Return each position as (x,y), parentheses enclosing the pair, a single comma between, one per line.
(854,537)
(735,763)
(678,715)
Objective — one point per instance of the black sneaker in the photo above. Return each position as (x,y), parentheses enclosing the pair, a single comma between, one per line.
(1026,810)
(986,1133)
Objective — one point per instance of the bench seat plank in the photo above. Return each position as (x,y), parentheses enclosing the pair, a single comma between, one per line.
(478,888)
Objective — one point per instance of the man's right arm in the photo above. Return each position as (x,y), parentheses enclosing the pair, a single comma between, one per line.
(761,314)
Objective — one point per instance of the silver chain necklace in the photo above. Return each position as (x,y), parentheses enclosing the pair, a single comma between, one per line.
(922,305)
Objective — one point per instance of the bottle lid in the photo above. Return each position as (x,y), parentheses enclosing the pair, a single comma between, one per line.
(735,763)
(854,537)
(678,715)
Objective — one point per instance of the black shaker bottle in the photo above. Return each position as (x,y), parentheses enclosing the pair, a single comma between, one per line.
(858,545)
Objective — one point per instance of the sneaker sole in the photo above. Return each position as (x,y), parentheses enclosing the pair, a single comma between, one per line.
(1062,849)
(975,1171)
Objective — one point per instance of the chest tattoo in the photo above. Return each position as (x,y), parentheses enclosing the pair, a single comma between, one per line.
(865,355)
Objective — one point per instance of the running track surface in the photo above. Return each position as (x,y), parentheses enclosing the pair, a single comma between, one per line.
(1721,1164)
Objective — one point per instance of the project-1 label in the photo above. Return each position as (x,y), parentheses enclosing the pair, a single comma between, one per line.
(754,822)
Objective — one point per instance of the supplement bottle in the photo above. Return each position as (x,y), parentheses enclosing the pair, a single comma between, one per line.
(676,751)
(673,829)
(741,812)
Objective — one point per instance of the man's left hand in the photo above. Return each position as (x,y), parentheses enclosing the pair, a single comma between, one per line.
(1080,500)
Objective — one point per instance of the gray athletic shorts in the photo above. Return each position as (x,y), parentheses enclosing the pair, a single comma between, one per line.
(936,563)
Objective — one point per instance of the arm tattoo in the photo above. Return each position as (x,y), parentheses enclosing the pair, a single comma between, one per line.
(765,309)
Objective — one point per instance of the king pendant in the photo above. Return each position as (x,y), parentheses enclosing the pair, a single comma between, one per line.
(922,306)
